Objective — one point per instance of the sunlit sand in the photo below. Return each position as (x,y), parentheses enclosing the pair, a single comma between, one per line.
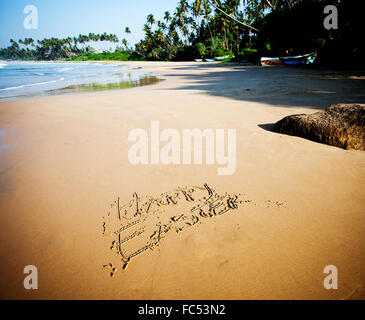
(297,207)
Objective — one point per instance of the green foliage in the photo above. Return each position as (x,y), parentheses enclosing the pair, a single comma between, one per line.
(201,49)
(104,56)
(222,53)
(208,29)
(252,55)
(298,29)
(53,48)
(215,46)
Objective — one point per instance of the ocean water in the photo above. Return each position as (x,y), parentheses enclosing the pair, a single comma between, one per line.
(19,80)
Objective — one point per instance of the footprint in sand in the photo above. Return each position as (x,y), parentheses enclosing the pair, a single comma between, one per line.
(110,268)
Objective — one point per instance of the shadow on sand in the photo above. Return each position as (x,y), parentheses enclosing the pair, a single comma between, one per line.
(267,126)
(276,86)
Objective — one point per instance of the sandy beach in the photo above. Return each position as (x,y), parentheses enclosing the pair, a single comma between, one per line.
(64,164)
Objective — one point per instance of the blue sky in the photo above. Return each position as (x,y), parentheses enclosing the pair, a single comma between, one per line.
(62,18)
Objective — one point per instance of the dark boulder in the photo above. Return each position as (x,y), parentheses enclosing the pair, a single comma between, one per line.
(340,125)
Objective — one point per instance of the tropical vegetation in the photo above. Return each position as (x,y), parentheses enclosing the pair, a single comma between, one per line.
(236,29)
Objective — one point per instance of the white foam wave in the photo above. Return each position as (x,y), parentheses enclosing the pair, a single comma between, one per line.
(65,69)
(33,84)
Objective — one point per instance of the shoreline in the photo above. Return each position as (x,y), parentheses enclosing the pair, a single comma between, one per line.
(68,83)
(68,162)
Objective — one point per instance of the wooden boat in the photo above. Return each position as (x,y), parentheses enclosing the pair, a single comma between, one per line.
(289,60)
(269,62)
(210,60)
(199,60)
(299,60)
(222,58)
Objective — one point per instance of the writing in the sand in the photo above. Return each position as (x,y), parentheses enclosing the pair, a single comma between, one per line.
(147,221)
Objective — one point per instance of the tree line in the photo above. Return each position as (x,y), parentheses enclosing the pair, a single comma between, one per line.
(54,48)
(238,29)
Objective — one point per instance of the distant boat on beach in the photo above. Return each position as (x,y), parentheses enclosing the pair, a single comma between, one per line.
(298,60)
(289,60)
(212,60)
(267,61)
(206,60)
(222,58)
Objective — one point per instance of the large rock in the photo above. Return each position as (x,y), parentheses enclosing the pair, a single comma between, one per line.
(340,125)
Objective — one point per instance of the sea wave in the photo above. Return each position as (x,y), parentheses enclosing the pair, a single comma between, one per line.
(65,69)
(33,84)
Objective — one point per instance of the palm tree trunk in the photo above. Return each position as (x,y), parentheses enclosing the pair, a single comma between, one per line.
(233,18)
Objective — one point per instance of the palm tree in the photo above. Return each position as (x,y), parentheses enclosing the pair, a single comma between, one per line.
(256,8)
(127,30)
(271,4)
(167,17)
(113,38)
(198,7)
(159,35)
(147,30)
(14,44)
(184,5)
(161,25)
(181,18)
(125,43)
(151,20)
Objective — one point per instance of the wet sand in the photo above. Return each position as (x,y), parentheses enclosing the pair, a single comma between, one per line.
(65,168)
